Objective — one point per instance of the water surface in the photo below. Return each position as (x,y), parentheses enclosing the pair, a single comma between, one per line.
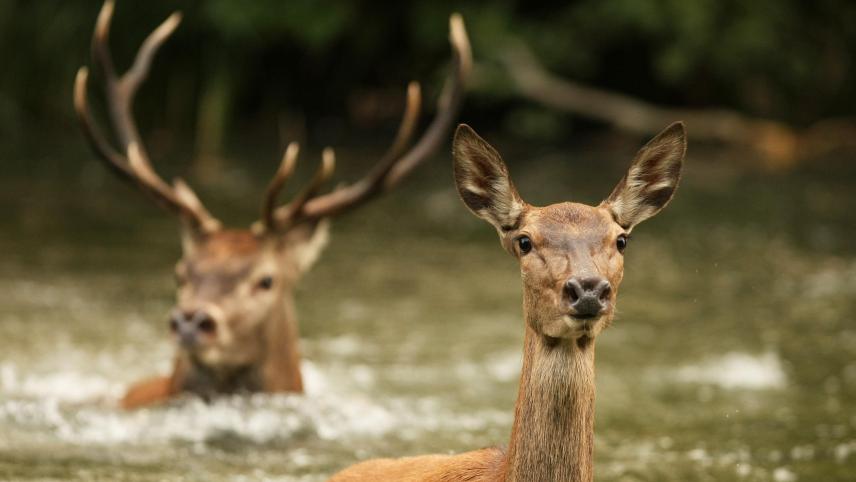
(733,356)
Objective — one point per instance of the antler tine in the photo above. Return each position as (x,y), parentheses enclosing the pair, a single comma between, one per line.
(142,63)
(405,131)
(390,171)
(114,160)
(285,170)
(285,216)
(100,44)
(148,178)
(447,106)
(121,90)
(134,164)
(188,198)
(292,210)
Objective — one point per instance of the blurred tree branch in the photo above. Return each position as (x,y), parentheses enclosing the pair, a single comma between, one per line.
(779,145)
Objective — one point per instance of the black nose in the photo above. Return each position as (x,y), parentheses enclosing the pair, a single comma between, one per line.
(588,296)
(189,324)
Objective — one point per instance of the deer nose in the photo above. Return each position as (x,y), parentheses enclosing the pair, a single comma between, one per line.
(190,325)
(588,296)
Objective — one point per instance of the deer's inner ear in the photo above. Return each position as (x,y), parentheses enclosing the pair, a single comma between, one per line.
(305,243)
(483,182)
(651,180)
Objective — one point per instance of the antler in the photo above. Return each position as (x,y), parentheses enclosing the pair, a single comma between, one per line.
(393,166)
(133,166)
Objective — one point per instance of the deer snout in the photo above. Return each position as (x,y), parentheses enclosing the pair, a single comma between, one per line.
(589,297)
(190,326)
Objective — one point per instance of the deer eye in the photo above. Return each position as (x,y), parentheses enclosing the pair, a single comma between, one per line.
(207,326)
(524,244)
(266,282)
(621,242)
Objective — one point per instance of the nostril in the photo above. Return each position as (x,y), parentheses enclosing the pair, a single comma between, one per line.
(588,296)
(573,290)
(606,291)
(573,295)
(207,325)
(173,325)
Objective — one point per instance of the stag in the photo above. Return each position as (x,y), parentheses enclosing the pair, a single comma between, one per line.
(234,322)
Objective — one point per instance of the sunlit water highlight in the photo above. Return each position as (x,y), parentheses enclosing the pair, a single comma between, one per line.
(736,371)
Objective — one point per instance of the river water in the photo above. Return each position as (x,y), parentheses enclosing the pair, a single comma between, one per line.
(733,356)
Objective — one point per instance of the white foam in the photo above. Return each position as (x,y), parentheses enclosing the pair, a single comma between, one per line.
(63,386)
(80,409)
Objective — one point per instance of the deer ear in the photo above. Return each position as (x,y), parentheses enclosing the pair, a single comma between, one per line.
(483,182)
(651,180)
(308,241)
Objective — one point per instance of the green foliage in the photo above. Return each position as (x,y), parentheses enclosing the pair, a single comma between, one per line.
(314,24)
(785,59)
(780,58)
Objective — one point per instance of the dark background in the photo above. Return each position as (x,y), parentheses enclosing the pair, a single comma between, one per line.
(330,71)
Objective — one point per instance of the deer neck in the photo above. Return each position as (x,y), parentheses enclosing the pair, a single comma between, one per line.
(280,365)
(553,433)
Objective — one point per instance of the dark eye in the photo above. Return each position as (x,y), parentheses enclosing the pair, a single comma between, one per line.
(621,242)
(207,326)
(524,244)
(266,283)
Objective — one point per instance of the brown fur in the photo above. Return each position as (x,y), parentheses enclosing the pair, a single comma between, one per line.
(255,347)
(156,390)
(476,466)
(148,392)
(552,438)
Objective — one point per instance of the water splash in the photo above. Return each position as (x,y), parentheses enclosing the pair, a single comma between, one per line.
(80,409)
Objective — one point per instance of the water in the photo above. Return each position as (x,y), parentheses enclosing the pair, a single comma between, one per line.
(733,356)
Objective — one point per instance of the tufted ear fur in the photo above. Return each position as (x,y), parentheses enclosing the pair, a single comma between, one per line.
(483,181)
(307,242)
(651,180)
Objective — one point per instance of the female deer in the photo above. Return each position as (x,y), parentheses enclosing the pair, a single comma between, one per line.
(571,263)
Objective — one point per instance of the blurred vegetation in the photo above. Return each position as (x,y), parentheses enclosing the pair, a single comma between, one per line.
(326,67)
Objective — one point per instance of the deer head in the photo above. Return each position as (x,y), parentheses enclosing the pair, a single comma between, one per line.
(231,283)
(570,254)
(235,285)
